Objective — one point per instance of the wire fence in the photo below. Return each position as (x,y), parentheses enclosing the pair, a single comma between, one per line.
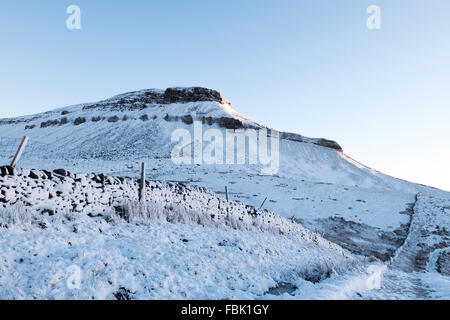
(43,156)
(71,156)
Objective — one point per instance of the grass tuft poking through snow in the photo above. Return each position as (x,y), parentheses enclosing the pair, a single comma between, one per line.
(16,214)
(141,212)
(154,251)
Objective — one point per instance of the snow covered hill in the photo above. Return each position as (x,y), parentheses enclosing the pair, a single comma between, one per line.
(316,184)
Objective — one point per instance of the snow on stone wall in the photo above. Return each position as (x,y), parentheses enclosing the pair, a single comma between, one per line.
(61,191)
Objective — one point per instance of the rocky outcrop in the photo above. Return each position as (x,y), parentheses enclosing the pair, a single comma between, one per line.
(443,263)
(328,144)
(320,142)
(223,122)
(154,103)
(291,136)
(182,95)
(139,100)
(79,120)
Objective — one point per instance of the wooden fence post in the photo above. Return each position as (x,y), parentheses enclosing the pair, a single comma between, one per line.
(262,204)
(142,184)
(226,192)
(19,151)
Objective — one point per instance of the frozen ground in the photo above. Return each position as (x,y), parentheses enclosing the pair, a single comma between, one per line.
(366,212)
(419,269)
(74,256)
(153,260)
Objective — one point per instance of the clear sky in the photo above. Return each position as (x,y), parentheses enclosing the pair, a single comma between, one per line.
(310,67)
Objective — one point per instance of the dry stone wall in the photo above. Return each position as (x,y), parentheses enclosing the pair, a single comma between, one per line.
(60,191)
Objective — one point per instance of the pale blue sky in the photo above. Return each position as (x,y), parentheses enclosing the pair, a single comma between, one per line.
(310,67)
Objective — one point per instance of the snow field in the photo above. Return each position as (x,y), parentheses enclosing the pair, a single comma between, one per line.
(153,260)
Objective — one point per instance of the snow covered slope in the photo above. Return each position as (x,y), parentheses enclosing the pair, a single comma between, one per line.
(65,236)
(80,257)
(320,186)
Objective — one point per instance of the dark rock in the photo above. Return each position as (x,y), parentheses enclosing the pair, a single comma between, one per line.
(60,172)
(123,294)
(170,118)
(187,119)
(96,119)
(329,144)
(33,175)
(3,171)
(113,119)
(102,177)
(29,127)
(443,263)
(65,112)
(96,179)
(177,95)
(49,123)
(291,136)
(321,142)
(139,100)
(50,212)
(282,288)
(94,215)
(9,170)
(144,117)
(208,120)
(63,121)
(48,174)
(229,123)
(79,121)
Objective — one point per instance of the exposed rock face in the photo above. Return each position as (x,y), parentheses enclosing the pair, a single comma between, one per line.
(291,136)
(320,142)
(79,121)
(329,144)
(187,119)
(443,263)
(180,95)
(138,100)
(229,123)
(130,106)
(60,172)
(223,122)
